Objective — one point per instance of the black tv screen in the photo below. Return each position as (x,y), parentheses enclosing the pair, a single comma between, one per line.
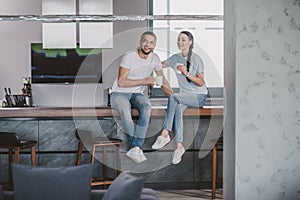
(65,65)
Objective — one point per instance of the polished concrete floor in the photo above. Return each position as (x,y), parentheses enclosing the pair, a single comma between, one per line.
(194,194)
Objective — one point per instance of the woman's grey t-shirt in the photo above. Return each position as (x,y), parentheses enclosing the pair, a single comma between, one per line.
(196,67)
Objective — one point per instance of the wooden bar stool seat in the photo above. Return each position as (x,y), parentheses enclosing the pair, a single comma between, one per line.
(14,144)
(86,140)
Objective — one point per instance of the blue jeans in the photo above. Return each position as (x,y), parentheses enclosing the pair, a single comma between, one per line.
(177,104)
(123,102)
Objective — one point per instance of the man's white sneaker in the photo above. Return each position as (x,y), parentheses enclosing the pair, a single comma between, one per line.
(142,156)
(161,142)
(136,154)
(177,154)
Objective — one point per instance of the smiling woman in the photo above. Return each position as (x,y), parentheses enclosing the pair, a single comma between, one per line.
(207,33)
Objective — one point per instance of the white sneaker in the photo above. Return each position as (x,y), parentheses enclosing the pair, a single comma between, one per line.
(160,142)
(177,154)
(142,156)
(136,154)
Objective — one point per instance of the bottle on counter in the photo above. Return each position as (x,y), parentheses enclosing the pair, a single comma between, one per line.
(109,91)
(26,90)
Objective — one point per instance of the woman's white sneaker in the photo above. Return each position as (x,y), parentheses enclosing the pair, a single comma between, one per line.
(177,154)
(161,142)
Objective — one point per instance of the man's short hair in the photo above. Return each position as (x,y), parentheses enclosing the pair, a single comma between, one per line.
(148,33)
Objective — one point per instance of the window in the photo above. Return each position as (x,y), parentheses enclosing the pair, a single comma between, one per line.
(208,36)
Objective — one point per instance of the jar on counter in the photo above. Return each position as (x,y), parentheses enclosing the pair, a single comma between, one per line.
(4,103)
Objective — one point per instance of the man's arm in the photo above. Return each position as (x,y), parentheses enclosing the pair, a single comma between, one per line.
(166,88)
(123,80)
(164,64)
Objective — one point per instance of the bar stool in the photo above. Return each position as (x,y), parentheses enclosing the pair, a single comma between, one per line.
(85,139)
(217,147)
(14,144)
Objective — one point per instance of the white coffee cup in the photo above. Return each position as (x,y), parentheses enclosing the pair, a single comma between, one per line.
(158,80)
(178,71)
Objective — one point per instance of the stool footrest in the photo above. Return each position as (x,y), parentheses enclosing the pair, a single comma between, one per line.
(101,181)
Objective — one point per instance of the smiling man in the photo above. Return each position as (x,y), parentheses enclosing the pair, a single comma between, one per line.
(134,77)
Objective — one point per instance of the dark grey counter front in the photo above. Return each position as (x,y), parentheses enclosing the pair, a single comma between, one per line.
(54,129)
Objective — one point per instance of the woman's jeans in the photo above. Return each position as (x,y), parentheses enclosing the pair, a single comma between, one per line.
(177,104)
(123,102)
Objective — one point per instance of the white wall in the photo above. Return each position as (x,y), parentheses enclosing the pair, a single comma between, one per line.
(15,39)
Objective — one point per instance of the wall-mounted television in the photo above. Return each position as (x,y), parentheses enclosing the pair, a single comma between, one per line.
(65,66)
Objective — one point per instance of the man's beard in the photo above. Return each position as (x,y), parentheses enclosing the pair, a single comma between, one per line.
(146,53)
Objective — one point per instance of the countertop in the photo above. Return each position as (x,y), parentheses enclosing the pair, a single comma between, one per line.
(52,112)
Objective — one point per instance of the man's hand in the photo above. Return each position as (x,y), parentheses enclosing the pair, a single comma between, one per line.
(166,86)
(150,81)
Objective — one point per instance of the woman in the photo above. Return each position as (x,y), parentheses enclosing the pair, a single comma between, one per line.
(190,74)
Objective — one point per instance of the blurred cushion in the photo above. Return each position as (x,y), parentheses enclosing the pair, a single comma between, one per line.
(149,194)
(125,187)
(67,183)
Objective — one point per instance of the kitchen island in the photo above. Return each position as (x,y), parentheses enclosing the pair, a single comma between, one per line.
(54,130)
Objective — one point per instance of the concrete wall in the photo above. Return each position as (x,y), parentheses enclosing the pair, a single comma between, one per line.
(15,39)
(229,100)
(264,109)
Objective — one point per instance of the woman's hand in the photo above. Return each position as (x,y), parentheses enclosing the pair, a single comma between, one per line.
(182,68)
(198,79)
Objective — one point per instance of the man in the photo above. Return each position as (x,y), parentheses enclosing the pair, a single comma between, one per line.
(135,75)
